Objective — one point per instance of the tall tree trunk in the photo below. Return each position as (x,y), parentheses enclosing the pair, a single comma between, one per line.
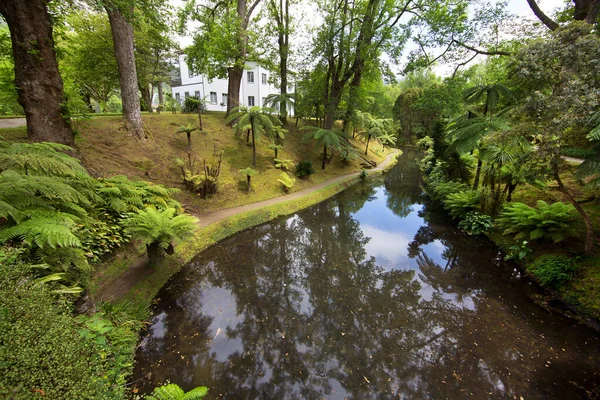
(589,232)
(324,157)
(367,146)
(234,81)
(147,99)
(122,33)
(253,149)
(200,126)
(477,174)
(38,82)
(159,88)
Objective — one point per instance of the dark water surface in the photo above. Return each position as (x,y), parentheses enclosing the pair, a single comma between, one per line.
(372,294)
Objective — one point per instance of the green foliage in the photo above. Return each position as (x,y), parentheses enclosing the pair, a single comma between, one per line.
(363,175)
(172,391)
(459,204)
(287,181)
(304,169)
(547,221)
(283,164)
(476,223)
(190,105)
(442,190)
(553,271)
(160,227)
(187,129)
(41,349)
(248,171)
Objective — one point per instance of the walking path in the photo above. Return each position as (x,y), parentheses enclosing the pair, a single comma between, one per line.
(138,268)
(12,122)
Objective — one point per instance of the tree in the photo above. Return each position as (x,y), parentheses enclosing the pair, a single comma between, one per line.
(374,128)
(159,229)
(153,48)
(221,45)
(85,61)
(37,79)
(583,10)
(258,120)
(248,173)
(326,138)
(119,15)
(561,91)
(279,11)
(188,129)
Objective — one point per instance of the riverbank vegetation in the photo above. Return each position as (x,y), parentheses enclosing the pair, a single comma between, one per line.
(498,166)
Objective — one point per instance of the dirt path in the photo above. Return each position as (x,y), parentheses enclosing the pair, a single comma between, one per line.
(12,122)
(138,269)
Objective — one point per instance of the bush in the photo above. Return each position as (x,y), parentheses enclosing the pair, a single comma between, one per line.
(547,221)
(42,351)
(475,223)
(304,169)
(287,182)
(190,105)
(461,203)
(553,271)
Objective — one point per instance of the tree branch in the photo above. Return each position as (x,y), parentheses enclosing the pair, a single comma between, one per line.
(250,10)
(541,16)
(485,52)
(462,64)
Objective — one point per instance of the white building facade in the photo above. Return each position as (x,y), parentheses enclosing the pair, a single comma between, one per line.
(254,89)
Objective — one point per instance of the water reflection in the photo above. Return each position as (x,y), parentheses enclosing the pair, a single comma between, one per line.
(369,295)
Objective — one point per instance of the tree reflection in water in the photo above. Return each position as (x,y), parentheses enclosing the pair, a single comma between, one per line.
(299,309)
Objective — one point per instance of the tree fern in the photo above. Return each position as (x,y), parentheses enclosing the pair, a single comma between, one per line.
(551,221)
(44,159)
(158,229)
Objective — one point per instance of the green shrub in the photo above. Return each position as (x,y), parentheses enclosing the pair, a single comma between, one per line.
(547,221)
(461,203)
(190,105)
(283,164)
(304,169)
(42,351)
(553,271)
(476,223)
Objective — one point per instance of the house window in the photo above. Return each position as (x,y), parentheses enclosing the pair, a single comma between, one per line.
(250,101)
(224,99)
(264,79)
(187,94)
(178,97)
(213,97)
(197,94)
(250,76)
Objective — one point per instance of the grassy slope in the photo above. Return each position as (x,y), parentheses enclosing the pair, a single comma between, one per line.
(584,291)
(108,151)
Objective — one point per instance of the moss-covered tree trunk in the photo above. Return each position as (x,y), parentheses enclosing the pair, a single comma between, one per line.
(38,82)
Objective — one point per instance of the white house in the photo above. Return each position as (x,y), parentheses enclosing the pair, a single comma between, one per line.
(254,89)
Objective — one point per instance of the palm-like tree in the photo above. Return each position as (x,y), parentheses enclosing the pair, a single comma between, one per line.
(188,129)
(328,139)
(258,119)
(466,132)
(374,128)
(159,229)
(281,101)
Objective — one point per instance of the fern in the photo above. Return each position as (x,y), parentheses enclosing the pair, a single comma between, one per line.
(287,181)
(160,227)
(551,221)
(461,203)
(172,391)
(45,159)
(443,189)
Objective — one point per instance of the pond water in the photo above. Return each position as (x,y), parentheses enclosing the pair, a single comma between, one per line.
(371,294)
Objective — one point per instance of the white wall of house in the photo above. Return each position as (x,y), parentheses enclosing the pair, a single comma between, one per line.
(254,89)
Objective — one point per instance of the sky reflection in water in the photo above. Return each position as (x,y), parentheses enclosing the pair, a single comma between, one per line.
(372,294)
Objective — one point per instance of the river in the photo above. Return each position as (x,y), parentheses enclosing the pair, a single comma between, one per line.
(372,294)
